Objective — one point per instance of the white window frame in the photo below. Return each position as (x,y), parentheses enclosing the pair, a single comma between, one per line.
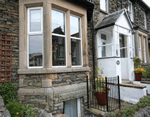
(126,37)
(29,33)
(59,35)
(145,21)
(78,39)
(130,11)
(106,5)
(144,49)
(140,46)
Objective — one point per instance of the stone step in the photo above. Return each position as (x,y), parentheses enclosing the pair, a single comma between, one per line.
(127,82)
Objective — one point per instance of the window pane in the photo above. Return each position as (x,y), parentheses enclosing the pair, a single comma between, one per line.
(59,56)
(103,5)
(75,26)
(58,22)
(35,20)
(71,108)
(76,51)
(35,50)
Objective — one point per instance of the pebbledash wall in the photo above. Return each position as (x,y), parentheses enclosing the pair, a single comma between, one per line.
(9,25)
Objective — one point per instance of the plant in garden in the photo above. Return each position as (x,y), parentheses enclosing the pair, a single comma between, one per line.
(137,61)
(146,74)
(139,70)
(17,109)
(8,92)
(130,111)
(100,84)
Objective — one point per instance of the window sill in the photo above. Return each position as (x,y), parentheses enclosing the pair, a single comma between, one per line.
(53,70)
(105,12)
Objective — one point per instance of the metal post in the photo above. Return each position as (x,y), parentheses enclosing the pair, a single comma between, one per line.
(87,91)
(106,94)
(119,92)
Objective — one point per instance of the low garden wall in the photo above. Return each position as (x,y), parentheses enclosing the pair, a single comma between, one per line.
(132,93)
(143,83)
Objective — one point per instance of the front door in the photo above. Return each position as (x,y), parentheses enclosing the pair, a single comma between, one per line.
(124,56)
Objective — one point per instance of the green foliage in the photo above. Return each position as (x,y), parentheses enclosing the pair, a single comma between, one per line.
(130,111)
(17,109)
(8,92)
(146,74)
(137,61)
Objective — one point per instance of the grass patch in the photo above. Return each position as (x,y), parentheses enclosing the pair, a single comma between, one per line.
(130,111)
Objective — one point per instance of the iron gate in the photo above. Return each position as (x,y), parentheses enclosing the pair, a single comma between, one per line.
(104,93)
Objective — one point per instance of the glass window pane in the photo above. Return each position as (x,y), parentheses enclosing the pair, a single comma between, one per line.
(58,22)
(35,20)
(71,108)
(35,50)
(59,56)
(103,5)
(76,51)
(75,26)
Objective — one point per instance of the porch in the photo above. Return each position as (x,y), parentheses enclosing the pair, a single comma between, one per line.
(115,46)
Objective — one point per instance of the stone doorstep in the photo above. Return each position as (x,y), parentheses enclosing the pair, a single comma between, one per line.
(145,82)
(133,86)
(96,112)
(61,115)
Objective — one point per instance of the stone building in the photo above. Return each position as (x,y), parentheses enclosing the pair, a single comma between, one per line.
(53,54)
(53,47)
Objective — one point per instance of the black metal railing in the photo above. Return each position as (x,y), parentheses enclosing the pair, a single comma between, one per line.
(105,95)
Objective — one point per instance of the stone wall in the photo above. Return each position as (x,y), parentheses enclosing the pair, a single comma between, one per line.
(9,24)
(50,91)
(139,16)
(52,80)
(115,5)
(148,20)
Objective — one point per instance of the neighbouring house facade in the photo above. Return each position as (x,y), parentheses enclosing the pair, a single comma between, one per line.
(121,34)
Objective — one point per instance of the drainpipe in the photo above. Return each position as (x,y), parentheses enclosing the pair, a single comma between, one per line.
(93,49)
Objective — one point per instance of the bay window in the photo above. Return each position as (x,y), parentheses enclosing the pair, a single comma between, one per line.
(35,37)
(63,33)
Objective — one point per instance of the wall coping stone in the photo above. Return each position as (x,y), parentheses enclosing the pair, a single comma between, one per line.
(133,86)
(53,70)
